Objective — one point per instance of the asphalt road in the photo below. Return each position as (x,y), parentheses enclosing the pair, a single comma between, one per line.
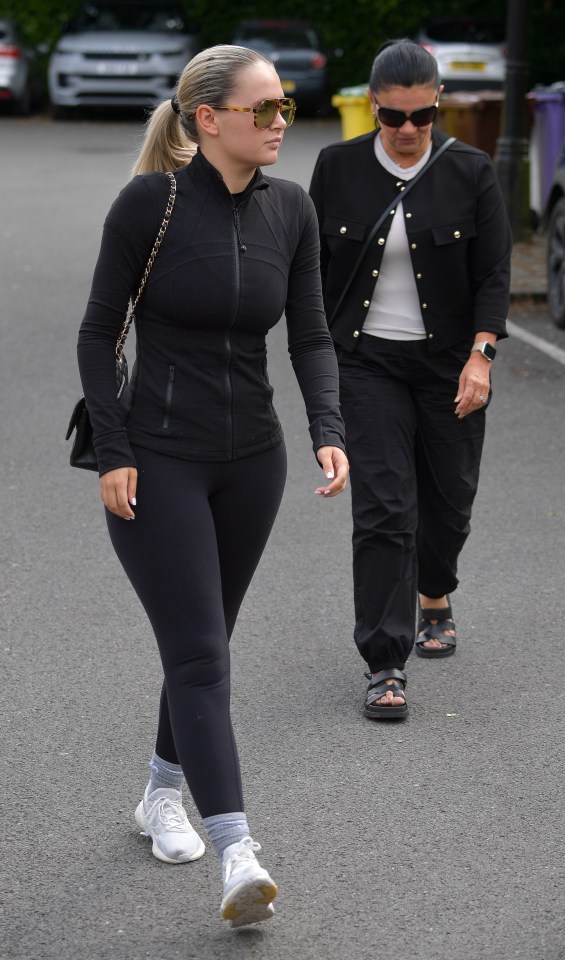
(438,839)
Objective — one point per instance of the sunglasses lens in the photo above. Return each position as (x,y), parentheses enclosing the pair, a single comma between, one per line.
(391,118)
(421,118)
(267,111)
(288,109)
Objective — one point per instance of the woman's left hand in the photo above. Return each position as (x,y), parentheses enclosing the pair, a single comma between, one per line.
(474,385)
(336,468)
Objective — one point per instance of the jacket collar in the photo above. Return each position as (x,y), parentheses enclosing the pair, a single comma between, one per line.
(203,168)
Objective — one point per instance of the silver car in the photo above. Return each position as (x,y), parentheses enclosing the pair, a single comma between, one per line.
(470,51)
(20,69)
(120,52)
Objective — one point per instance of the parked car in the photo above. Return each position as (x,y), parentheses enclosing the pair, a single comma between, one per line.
(121,52)
(21,69)
(555,222)
(296,51)
(470,51)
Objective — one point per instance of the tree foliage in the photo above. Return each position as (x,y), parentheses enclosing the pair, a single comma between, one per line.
(354,28)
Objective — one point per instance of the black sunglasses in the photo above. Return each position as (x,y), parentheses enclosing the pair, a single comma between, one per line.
(265,112)
(388,117)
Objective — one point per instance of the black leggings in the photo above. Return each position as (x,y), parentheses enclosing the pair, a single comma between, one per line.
(198,534)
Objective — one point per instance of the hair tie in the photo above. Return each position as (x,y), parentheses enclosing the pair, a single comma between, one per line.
(175,104)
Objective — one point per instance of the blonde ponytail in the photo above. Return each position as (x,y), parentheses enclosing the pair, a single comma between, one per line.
(166,145)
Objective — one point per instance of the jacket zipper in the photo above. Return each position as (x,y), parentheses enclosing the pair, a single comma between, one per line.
(169,397)
(239,248)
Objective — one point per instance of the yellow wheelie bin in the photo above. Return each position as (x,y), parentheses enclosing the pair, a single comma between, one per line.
(354,110)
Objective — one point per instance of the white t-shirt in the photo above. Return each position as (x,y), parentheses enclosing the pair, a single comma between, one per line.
(394,313)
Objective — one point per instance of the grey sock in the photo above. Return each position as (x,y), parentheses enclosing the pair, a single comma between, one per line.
(224,829)
(164,774)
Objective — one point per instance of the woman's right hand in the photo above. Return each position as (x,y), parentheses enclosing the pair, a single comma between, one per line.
(117,491)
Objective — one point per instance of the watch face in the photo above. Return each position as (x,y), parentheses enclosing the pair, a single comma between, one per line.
(489,351)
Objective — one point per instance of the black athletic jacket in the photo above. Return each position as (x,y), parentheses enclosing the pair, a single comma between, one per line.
(227,269)
(458,237)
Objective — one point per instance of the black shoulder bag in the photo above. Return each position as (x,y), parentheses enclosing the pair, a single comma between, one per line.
(374,230)
(83,454)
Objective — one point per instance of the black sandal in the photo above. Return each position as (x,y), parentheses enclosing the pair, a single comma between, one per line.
(435,631)
(377,689)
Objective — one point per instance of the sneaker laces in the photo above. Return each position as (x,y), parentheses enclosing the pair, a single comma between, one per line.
(171,814)
(243,853)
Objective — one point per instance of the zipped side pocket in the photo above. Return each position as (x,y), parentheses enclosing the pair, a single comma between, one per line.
(169,397)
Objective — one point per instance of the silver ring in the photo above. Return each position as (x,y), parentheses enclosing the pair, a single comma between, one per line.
(483,399)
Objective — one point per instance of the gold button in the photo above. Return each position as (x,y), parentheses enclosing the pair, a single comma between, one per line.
(402,188)
(355,333)
(366,303)
(408,215)
(430,336)
(418,276)
(398,183)
(457,234)
(413,245)
(375,273)
(424,306)
(392,212)
(381,241)
(343,229)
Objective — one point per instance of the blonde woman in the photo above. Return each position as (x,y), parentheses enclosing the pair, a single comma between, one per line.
(192,475)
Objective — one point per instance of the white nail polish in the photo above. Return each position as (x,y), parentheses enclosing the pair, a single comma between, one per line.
(133,502)
(329,475)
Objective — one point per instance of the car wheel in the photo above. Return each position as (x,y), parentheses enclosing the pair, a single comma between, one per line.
(61,113)
(556,263)
(22,105)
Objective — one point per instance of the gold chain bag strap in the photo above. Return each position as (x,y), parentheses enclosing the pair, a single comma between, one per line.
(83,454)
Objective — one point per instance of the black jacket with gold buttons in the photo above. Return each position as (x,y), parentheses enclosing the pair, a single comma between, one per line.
(458,236)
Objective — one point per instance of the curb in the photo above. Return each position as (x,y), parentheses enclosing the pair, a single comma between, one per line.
(521,296)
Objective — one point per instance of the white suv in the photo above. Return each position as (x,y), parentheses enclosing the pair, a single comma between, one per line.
(470,51)
(121,52)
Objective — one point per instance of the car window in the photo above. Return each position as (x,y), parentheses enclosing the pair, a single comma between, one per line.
(139,16)
(465,31)
(281,39)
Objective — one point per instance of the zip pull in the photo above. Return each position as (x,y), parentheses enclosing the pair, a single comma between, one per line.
(242,246)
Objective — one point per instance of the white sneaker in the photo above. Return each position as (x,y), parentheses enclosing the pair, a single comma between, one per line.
(248,888)
(161,816)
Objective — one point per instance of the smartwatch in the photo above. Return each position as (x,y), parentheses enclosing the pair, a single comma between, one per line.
(487,350)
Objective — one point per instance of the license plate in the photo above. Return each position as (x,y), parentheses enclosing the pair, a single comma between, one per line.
(468,65)
(116,69)
(288,86)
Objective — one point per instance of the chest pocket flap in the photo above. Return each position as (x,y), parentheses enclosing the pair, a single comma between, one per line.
(344,229)
(454,232)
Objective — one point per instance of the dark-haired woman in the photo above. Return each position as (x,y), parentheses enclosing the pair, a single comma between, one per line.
(193,475)
(415,337)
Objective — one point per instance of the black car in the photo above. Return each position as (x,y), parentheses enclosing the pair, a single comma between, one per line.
(296,51)
(555,221)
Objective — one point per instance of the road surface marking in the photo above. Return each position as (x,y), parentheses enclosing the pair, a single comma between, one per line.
(556,353)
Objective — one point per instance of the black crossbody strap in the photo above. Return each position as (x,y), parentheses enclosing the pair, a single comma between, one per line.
(374,229)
